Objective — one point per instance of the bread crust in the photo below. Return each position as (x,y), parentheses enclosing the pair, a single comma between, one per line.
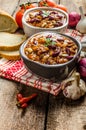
(8,18)
(8,55)
(10,44)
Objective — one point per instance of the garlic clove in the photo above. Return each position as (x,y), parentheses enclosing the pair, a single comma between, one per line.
(82,87)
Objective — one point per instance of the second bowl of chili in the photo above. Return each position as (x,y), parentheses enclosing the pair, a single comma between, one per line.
(44,19)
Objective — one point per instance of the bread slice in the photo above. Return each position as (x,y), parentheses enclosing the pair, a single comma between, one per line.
(11,42)
(7,22)
(10,55)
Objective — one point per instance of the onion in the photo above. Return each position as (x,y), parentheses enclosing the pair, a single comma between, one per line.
(74,18)
(82,68)
(82,62)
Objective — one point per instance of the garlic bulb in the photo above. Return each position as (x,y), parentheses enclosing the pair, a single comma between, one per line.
(75,87)
(81,26)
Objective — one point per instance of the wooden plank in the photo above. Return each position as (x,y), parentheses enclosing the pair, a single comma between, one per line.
(12,118)
(73,5)
(9,5)
(64,114)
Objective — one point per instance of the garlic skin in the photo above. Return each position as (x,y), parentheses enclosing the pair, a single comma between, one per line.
(81,26)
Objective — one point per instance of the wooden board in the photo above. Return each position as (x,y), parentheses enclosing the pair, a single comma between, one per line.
(73,5)
(9,5)
(64,114)
(46,112)
(12,118)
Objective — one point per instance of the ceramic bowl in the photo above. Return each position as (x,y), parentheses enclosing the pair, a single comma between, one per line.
(30,30)
(57,71)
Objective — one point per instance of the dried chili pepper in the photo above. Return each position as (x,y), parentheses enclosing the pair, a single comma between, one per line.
(27,99)
(24,105)
(19,96)
(23,101)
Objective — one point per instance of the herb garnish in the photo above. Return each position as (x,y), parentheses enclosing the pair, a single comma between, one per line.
(45,14)
(49,42)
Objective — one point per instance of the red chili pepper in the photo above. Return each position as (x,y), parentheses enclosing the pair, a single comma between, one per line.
(19,96)
(27,99)
(24,105)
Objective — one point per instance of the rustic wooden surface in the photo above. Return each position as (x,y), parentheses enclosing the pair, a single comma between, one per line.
(46,112)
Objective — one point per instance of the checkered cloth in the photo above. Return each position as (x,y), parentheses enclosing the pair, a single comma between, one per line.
(15,70)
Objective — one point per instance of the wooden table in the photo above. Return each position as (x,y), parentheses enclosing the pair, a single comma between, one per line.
(47,112)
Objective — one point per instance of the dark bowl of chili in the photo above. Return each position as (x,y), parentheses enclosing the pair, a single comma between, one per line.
(50,55)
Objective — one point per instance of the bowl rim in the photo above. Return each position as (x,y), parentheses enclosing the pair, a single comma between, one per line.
(22,54)
(45,8)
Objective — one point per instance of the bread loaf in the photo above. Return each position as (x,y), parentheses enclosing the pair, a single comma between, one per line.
(10,55)
(11,42)
(7,22)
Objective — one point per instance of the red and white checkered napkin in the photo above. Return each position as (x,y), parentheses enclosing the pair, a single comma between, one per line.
(15,70)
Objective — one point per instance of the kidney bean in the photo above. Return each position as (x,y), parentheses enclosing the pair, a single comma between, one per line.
(56,53)
(58,24)
(40,12)
(60,39)
(51,17)
(31,20)
(68,50)
(52,47)
(49,36)
(69,57)
(54,12)
(34,20)
(59,16)
(35,42)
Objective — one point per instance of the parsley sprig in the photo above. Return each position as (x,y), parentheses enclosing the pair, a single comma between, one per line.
(49,42)
(45,14)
